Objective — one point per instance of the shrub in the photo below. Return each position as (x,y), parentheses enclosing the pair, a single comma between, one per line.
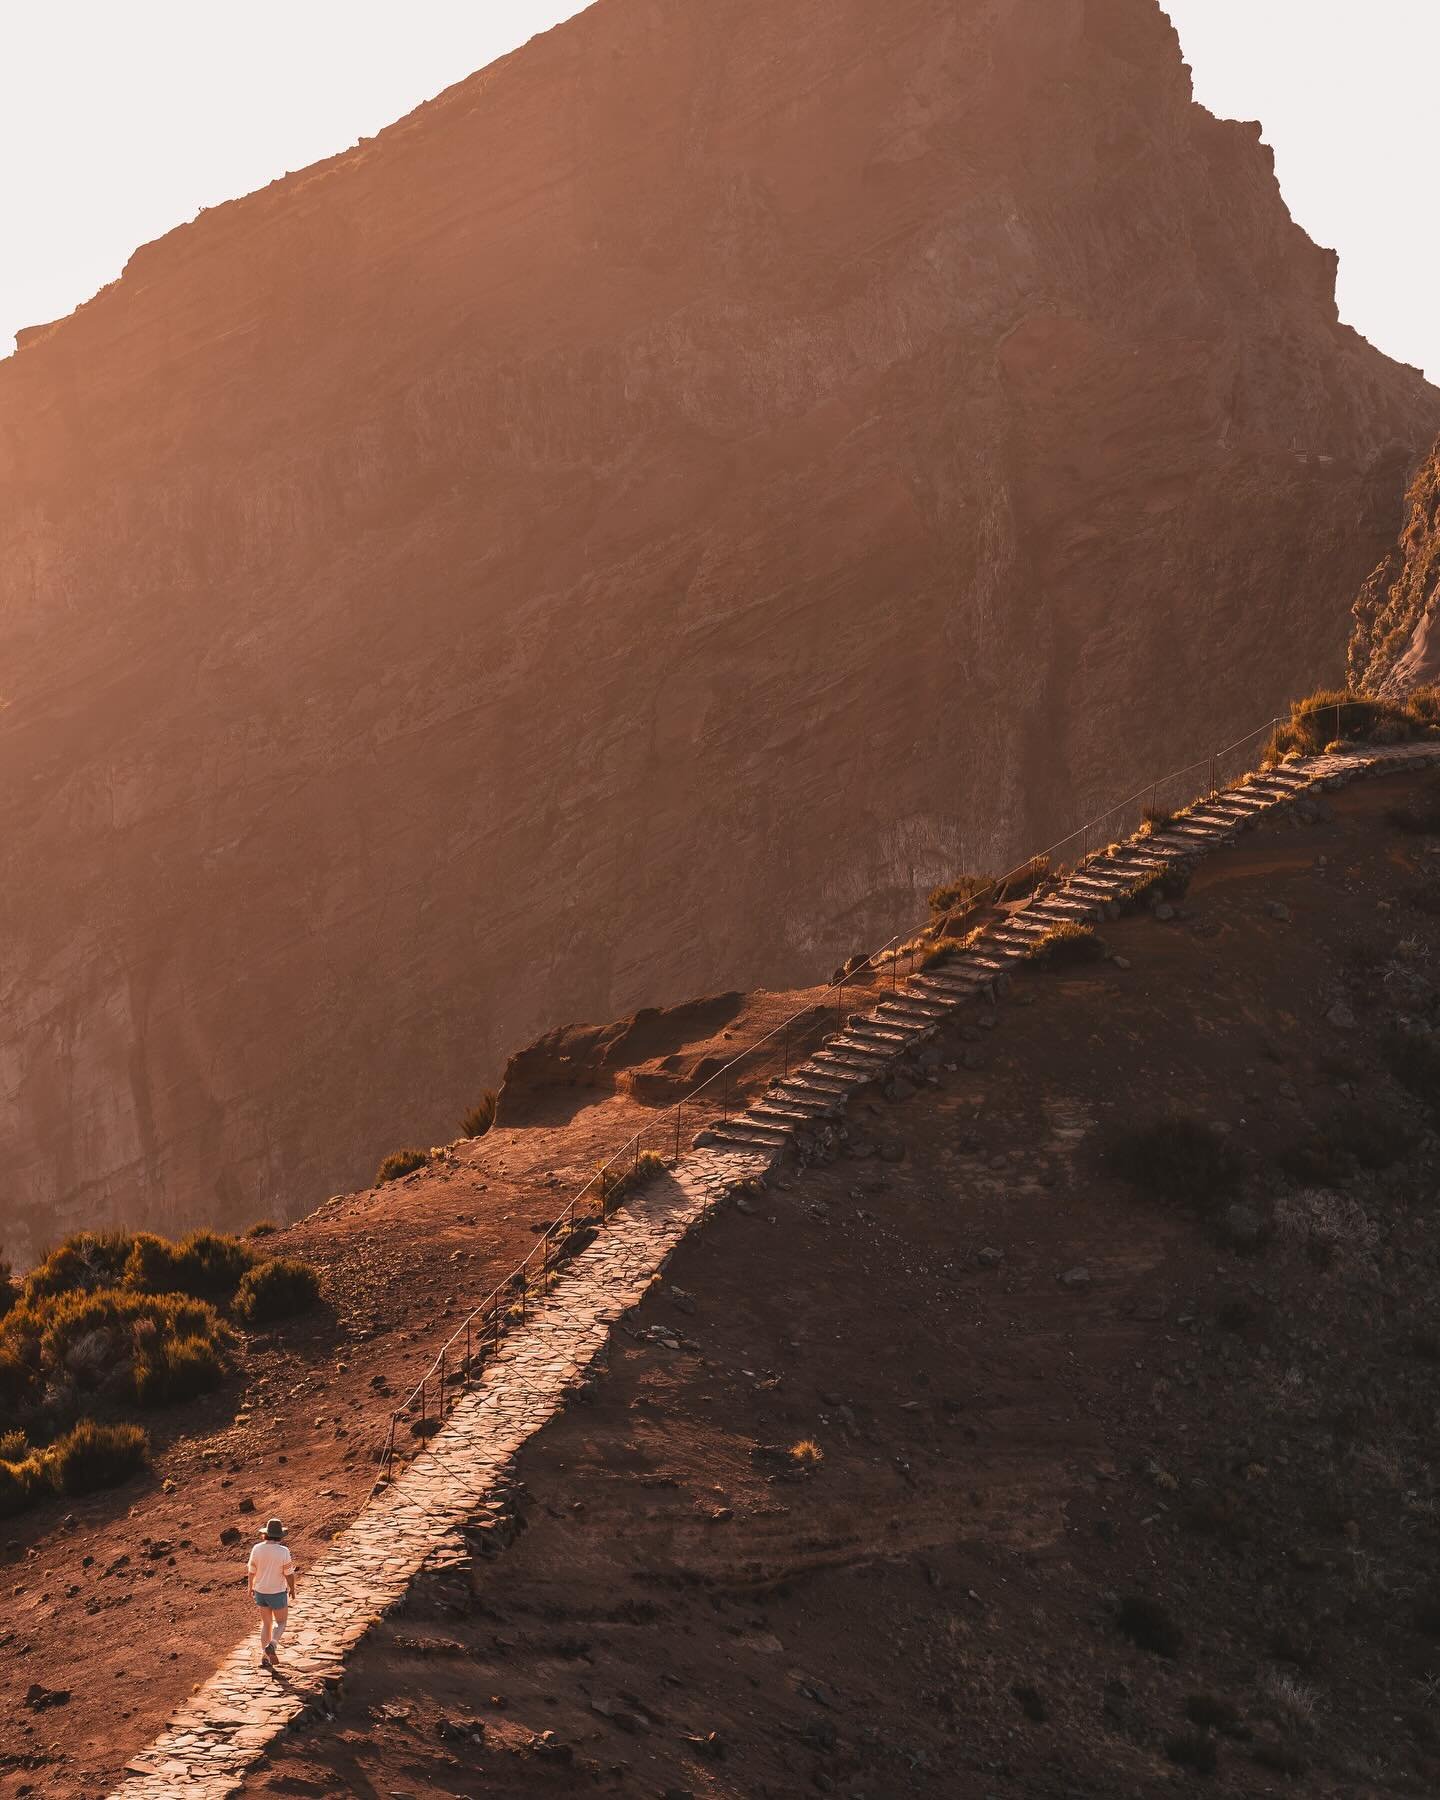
(177,1369)
(481,1116)
(14,1446)
(806,1454)
(83,1339)
(1330,714)
(1155,818)
(275,1290)
(1161,884)
(262,1228)
(1192,1750)
(1149,1624)
(1177,1157)
(94,1456)
(960,892)
(1067,945)
(82,1263)
(614,1182)
(205,1265)
(23,1483)
(941,951)
(8,1291)
(400,1162)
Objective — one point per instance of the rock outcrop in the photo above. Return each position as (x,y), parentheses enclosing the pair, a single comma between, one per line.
(1396,648)
(628,531)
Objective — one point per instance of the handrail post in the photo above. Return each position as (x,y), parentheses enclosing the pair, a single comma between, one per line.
(678,1104)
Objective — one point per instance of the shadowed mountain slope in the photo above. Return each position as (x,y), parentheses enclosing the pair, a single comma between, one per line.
(623,533)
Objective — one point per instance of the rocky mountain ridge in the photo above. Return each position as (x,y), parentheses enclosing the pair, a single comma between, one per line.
(623,533)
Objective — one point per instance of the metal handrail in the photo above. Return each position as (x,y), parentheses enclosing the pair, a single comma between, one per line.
(484,1323)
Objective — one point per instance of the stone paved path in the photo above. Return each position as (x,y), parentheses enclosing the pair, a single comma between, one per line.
(223,1729)
(220,1733)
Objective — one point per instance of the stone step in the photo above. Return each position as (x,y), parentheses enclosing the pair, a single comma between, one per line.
(866,1067)
(1067,906)
(835,1087)
(913,1007)
(894,1033)
(882,1044)
(1094,886)
(786,1114)
(864,1047)
(747,1120)
(748,1135)
(816,1086)
(954,981)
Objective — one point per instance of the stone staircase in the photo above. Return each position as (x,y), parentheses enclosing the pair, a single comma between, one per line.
(870,1042)
(419,1523)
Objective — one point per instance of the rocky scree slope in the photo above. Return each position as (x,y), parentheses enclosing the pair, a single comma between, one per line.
(854,433)
(1392,650)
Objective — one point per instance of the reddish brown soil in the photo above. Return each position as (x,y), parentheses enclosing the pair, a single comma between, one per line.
(135,1587)
(1242,1436)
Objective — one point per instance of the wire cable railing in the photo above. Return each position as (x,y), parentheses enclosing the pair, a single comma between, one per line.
(661,1144)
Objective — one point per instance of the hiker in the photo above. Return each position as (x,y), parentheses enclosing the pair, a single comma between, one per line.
(272,1582)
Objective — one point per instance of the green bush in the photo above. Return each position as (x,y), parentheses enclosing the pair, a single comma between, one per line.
(1067,945)
(1176,1157)
(275,1290)
(174,1369)
(23,1483)
(83,1339)
(82,1263)
(398,1163)
(205,1265)
(481,1116)
(94,1456)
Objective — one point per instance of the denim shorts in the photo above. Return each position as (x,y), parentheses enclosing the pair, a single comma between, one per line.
(274,1601)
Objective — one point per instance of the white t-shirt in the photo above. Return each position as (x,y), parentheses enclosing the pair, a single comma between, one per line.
(270,1563)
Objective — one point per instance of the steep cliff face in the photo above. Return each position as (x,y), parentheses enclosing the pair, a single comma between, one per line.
(1395,647)
(625,532)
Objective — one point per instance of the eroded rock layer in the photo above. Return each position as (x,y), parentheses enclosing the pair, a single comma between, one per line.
(623,533)
(1396,648)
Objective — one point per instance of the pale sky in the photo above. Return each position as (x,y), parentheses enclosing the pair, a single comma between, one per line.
(120,120)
